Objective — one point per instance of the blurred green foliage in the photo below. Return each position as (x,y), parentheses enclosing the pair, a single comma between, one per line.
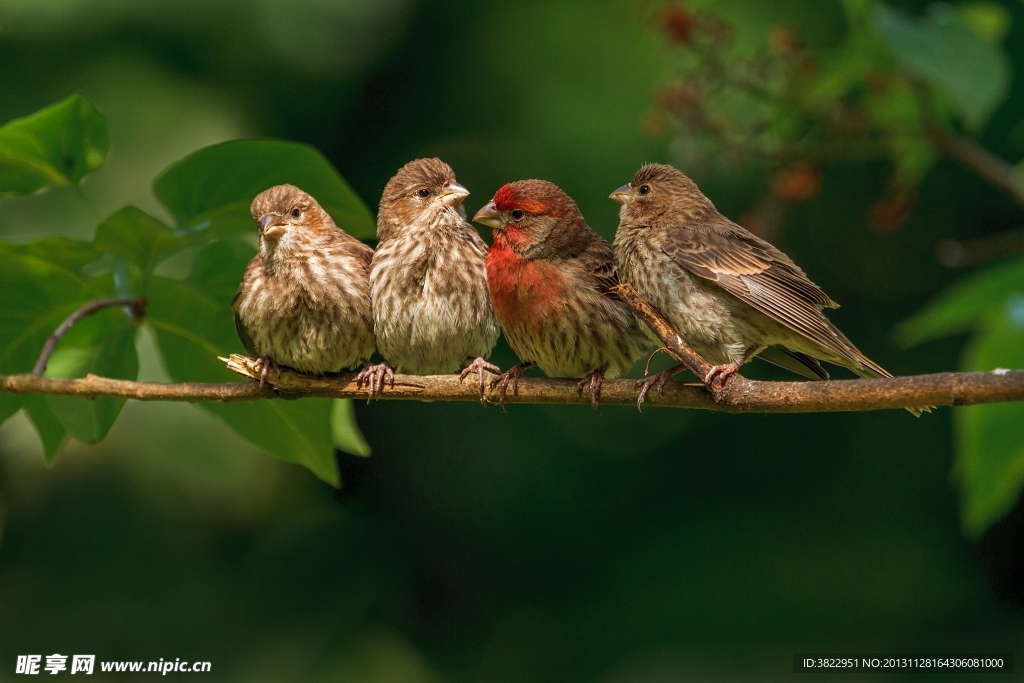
(785,105)
(990,455)
(545,544)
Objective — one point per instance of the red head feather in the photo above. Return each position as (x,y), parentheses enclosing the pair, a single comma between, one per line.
(538,197)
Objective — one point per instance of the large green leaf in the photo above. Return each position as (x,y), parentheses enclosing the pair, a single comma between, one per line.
(57,145)
(213,188)
(103,345)
(990,454)
(42,283)
(344,431)
(193,324)
(943,50)
(964,304)
(138,240)
(51,432)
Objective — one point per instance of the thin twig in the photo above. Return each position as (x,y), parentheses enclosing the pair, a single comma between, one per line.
(980,160)
(674,343)
(137,306)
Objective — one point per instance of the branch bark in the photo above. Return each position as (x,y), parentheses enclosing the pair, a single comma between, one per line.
(740,395)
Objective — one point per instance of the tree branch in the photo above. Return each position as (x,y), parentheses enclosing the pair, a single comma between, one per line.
(137,306)
(668,335)
(740,395)
(980,160)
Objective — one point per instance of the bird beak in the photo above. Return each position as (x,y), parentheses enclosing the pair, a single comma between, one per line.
(452,194)
(489,216)
(272,226)
(622,195)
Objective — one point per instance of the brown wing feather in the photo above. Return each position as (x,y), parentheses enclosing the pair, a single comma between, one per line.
(763,277)
(598,258)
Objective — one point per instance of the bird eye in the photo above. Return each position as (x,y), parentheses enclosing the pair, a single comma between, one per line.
(645,189)
(424,192)
(296,213)
(517,215)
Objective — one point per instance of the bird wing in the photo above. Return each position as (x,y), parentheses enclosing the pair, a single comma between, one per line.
(244,336)
(760,275)
(359,249)
(598,258)
(250,270)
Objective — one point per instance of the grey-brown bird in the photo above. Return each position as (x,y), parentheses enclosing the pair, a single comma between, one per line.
(730,294)
(304,301)
(428,280)
(552,281)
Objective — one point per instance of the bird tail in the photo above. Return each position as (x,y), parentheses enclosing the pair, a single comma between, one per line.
(868,369)
(794,361)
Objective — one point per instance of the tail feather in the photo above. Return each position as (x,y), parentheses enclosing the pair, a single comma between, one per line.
(794,361)
(871,370)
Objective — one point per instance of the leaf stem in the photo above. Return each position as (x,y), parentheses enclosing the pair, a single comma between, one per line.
(137,309)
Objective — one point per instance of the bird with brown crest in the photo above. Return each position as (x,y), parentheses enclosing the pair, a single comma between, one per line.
(552,282)
(428,280)
(304,301)
(730,294)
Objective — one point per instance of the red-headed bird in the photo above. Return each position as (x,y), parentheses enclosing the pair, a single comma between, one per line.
(551,280)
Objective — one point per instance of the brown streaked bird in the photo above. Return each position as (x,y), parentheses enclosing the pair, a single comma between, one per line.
(428,280)
(304,301)
(730,294)
(551,280)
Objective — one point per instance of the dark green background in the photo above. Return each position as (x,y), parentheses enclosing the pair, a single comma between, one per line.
(546,544)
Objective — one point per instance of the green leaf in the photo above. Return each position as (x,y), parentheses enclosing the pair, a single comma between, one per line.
(964,304)
(194,325)
(51,432)
(138,240)
(212,189)
(990,454)
(57,145)
(104,345)
(345,432)
(945,52)
(9,405)
(42,283)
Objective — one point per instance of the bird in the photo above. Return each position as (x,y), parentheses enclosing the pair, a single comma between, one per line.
(304,300)
(730,294)
(552,282)
(428,282)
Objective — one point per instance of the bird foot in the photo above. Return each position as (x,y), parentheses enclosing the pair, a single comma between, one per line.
(375,377)
(510,376)
(264,365)
(657,382)
(480,366)
(594,380)
(721,373)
